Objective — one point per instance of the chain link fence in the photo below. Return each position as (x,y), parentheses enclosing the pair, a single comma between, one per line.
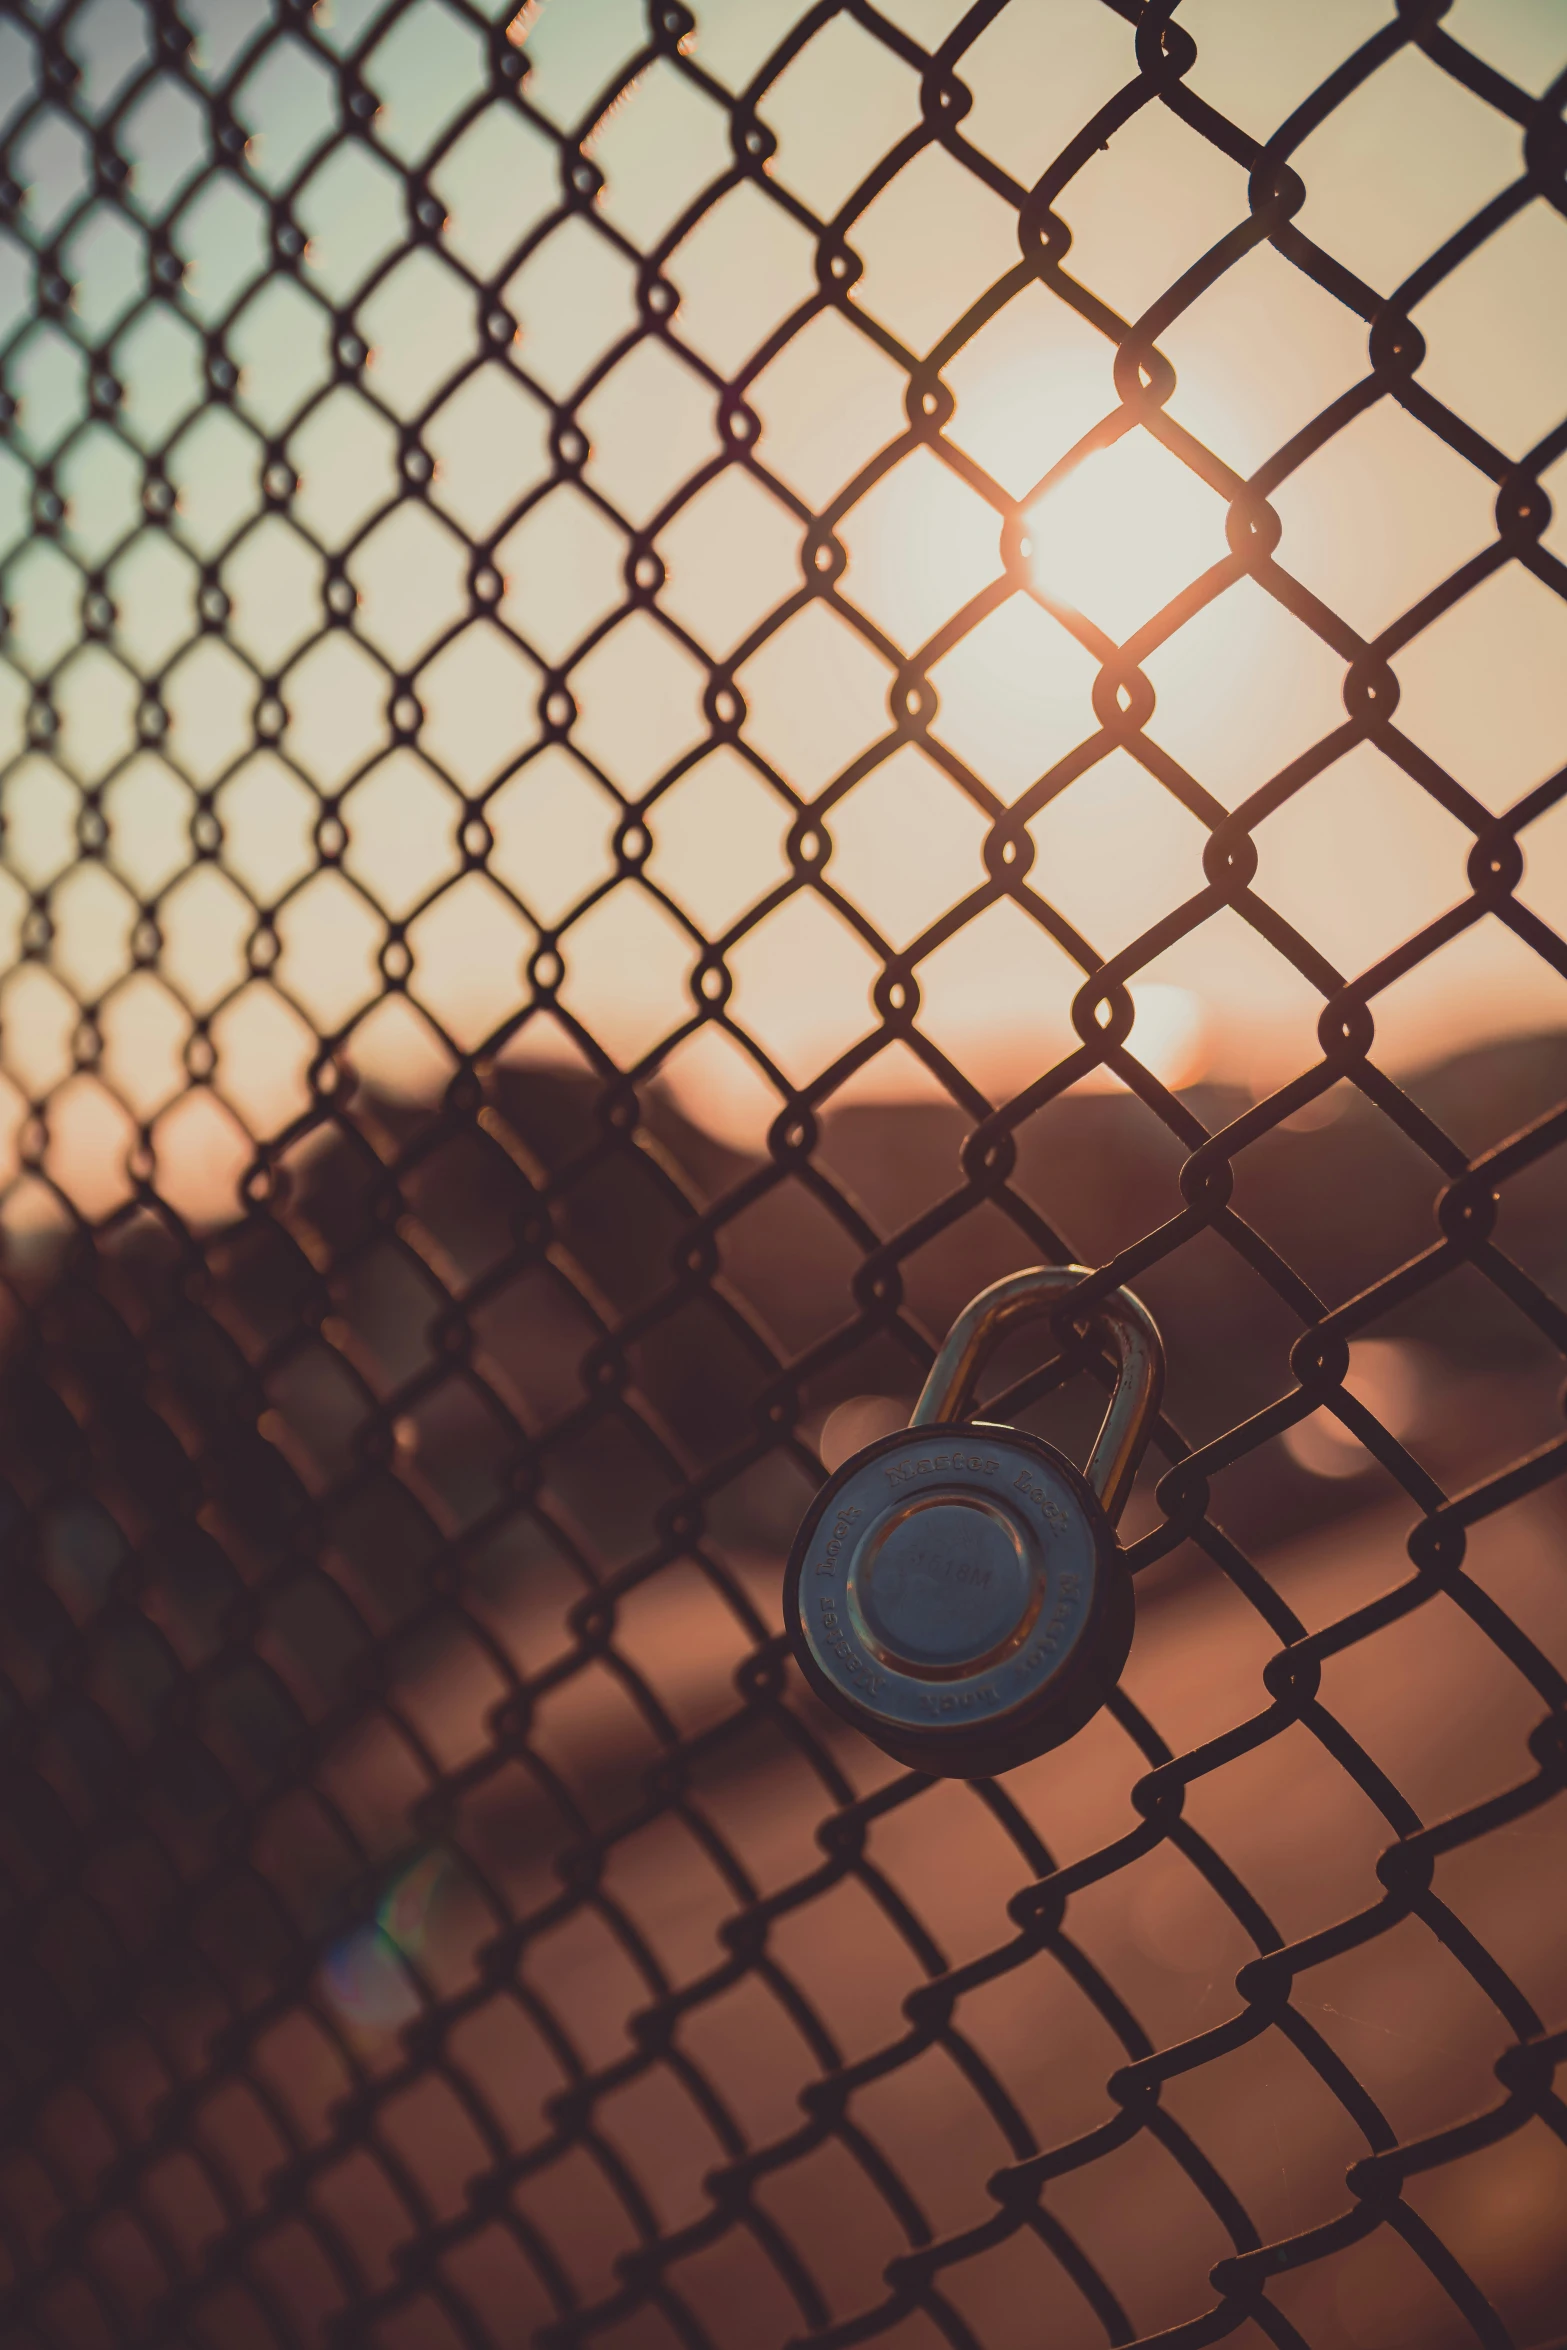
(441,1244)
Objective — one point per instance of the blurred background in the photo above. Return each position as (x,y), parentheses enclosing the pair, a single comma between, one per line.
(676,683)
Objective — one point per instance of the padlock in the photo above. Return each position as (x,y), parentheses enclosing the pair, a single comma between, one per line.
(956,1590)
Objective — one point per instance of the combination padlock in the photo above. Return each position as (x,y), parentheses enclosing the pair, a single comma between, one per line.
(956,1590)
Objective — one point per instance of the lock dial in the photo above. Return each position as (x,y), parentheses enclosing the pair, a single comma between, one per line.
(958,1590)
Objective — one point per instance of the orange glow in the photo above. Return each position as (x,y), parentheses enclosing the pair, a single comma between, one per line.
(1386,1375)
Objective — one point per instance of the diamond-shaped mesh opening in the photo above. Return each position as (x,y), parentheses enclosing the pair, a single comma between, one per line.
(673,687)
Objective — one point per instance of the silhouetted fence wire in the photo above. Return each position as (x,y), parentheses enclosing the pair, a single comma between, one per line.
(435,1910)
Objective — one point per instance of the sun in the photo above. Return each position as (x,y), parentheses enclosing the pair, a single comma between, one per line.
(1120,535)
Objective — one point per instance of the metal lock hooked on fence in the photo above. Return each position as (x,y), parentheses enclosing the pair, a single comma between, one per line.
(956,1590)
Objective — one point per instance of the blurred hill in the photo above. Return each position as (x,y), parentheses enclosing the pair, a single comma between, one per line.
(1344,1201)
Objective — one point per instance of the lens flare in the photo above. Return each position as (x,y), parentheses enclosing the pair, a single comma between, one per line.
(365,1974)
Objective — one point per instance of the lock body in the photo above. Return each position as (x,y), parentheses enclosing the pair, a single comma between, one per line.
(956,1589)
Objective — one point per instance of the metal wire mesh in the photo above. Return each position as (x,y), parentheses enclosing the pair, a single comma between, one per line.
(436,1914)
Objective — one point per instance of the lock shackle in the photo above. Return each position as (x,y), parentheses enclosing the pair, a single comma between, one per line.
(1119,1319)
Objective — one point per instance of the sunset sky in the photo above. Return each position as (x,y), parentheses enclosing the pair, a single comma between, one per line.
(1357,860)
